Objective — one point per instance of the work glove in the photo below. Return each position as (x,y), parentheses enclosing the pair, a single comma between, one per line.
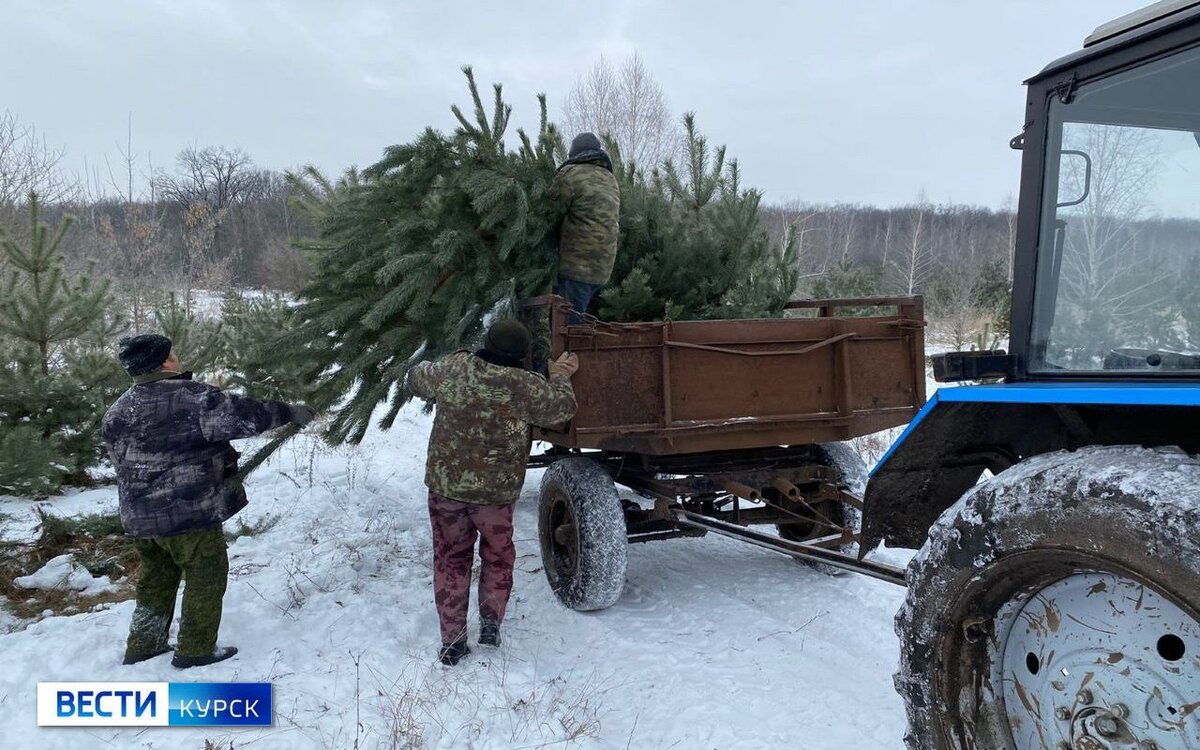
(566,365)
(301,414)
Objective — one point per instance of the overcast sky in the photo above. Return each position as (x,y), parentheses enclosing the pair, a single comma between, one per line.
(866,102)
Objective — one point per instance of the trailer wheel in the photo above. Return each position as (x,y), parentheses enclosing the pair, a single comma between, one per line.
(582,528)
(854,478)
(1058,606)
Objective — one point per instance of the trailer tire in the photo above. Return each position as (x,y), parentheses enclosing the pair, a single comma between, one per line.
(581,525)
(846,460)
(1061,593)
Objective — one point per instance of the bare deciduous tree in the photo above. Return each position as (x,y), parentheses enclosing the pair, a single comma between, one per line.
(209,182)
(132,244)
(28,164)
(912,264)
(214,175)
(627,104)
(954,301)
(1108,281)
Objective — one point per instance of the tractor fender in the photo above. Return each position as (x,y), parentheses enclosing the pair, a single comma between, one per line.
(964,431)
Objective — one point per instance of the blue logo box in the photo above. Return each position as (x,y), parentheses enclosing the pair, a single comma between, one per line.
(219,704)
(150,704)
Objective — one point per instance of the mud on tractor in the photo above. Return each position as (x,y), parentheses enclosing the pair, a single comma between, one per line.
(1054,499)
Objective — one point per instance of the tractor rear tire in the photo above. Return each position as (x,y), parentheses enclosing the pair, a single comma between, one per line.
(581,524)
(1053,605)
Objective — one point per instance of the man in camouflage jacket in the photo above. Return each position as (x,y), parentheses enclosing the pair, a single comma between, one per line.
(168,438)
(486,402)
(589,200)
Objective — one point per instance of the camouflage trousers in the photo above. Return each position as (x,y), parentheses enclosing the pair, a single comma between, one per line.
(201,561)
(455,528)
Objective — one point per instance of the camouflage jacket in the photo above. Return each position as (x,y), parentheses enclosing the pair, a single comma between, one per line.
(590,200)
(480,439)
(168,438)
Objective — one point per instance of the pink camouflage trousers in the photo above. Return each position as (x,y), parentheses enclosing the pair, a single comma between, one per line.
(455,528)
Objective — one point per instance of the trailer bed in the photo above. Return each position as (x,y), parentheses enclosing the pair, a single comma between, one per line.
(666,388)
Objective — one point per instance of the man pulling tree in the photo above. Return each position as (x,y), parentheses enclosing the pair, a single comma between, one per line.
(589,200)
(478,449)
(168,438)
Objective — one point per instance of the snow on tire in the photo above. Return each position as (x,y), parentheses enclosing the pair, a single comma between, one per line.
(581,525)
(1053,606)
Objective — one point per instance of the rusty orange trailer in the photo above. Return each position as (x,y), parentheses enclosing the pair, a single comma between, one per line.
(722,425)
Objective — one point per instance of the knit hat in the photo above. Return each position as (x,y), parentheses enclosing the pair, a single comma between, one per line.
(584,142)
(142,354)
(507,338)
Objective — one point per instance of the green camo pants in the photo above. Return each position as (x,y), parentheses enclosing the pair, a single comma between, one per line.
(200,559)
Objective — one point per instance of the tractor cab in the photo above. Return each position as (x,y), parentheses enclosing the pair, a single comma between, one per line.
(1105,337)
(1055,600)
(1107,269)
(1107,280)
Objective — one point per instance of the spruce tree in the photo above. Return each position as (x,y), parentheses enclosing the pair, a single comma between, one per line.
(199,343)
(692,244)
(58,375)
(39,306)
(250,329)
(415,253)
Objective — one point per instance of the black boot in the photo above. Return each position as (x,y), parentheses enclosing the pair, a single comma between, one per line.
(221,653)
(135,658)
(453,653)
(489,634)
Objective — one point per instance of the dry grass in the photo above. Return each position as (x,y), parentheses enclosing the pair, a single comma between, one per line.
(241,528)
(97,542)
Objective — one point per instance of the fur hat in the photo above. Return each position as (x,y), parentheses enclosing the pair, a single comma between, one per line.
(507,338)
(584,142)
(142,354)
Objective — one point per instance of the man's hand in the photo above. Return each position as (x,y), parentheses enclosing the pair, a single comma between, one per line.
(301,414)
(566,365)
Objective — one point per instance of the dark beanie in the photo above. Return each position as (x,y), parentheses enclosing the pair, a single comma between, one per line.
(507,338)
(142,354)
(584,142)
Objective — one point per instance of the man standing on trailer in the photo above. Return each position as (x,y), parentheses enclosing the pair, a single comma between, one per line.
(478,449)
(589,200)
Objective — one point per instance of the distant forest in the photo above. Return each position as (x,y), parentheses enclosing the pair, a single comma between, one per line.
(215,220)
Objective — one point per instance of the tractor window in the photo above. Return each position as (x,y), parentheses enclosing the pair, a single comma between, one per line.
(1118,278)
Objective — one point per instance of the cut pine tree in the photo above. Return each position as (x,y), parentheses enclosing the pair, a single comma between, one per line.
(414,254)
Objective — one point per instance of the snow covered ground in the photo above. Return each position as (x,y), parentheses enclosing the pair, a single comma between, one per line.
(714,644)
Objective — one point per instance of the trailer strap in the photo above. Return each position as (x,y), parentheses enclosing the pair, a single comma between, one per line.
(798,550)
(764,353)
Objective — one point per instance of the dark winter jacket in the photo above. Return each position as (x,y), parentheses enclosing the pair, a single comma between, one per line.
(168,438)
(589,200)
(480,440)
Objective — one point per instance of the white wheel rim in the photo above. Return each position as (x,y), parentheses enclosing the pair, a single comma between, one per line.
(1097,661)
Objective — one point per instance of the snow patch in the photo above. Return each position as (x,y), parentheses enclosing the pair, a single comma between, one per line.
(8,621)
(333,604)
(19,517)
(62,573)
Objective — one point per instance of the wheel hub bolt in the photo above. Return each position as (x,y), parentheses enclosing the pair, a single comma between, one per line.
(1084,696)
(1120,711)
(1106,726)
(1062,713)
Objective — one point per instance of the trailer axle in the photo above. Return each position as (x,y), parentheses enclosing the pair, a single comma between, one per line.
(798,550)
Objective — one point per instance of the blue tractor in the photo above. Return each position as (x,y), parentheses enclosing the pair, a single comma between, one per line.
(1055,599)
